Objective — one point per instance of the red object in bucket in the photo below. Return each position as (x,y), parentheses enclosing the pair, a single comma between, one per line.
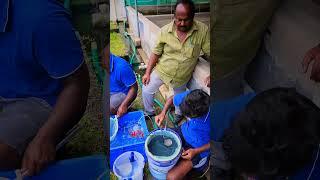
(137,133)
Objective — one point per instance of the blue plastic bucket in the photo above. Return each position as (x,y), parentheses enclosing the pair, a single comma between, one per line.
(129,165)
(132,123)
(159,166)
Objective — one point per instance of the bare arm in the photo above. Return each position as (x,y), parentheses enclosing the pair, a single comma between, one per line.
(151,64)
(70,106)
(68,110)
(159,118)
(131,96)
(168,104)
(190,153)
(202,148)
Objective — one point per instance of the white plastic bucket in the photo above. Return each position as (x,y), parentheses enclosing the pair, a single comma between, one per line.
(159,166)
(124,169)
(114,126)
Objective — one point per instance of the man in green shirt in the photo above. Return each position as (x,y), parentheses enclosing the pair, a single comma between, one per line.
(175,54)
(237,27)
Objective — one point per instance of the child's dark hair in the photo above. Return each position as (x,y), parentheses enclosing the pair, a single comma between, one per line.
(195,104)
(276,135)
(188,2)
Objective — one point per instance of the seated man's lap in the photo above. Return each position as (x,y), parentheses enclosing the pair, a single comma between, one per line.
(116,100)
(20,121)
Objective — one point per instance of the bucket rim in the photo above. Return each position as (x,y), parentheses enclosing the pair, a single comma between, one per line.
(113,136)
(149,154)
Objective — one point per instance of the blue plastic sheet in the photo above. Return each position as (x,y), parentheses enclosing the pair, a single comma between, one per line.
(90,167)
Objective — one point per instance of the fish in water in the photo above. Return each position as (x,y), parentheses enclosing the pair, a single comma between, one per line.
(159,147)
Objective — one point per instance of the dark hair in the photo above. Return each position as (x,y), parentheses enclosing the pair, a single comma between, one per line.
(188,2)
(276,134)
(195,104)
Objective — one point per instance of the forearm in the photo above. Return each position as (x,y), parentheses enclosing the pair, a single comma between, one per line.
(69,108)
(202,148)
(132,94)
(152,62)
(167,106)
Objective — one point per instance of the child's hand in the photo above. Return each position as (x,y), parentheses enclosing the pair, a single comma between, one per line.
(159,118)
(188,154)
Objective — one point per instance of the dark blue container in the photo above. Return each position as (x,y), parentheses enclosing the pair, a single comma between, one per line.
(90,167)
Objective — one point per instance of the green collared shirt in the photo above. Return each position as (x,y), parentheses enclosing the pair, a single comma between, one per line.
(178,59)
(238,27)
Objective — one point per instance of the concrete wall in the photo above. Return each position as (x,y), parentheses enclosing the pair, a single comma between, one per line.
(117,10)
(294,30)
(149,30)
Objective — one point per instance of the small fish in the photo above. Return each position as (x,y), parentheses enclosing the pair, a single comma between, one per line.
(137,133)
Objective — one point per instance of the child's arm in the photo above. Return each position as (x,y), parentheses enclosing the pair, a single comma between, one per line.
(159,118)
(190,153)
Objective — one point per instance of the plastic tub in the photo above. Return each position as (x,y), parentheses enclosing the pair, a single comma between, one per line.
(129,165)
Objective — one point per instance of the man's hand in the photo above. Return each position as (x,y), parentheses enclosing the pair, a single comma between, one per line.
(189,154)
(122,110)
(146,79)
(207,81)
(312,55)
(38,155)
(159,119)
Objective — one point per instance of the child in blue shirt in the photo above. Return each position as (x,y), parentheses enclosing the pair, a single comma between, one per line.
(269,136)
(195,132)
(123,85)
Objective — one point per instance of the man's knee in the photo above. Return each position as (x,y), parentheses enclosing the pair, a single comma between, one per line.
(145,89)
(171,176)
(174,175)
(9,158)
(148,92)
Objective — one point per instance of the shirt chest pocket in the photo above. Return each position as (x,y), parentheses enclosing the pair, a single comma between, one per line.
(192,50)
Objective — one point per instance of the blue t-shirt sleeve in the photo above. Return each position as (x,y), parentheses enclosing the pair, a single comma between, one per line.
(178,98)
(56,45)
(225,112)
(127,76)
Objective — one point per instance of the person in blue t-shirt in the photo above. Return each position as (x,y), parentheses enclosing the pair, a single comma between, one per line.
(195,132)
(123,85)
(44,82)
(269,136)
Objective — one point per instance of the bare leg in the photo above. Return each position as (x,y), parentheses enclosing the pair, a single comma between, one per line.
(179,171)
